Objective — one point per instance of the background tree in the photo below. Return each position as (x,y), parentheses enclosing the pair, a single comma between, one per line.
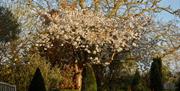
(96,40)
(156,75)
(120,73)
(9,29)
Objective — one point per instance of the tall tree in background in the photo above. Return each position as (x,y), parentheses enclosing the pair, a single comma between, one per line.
(156,75)
(9,27)
(81,37)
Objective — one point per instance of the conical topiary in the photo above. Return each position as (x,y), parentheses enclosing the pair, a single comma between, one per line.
(136,81)
(178,85)
(37,83)
(89,79)
(156,75)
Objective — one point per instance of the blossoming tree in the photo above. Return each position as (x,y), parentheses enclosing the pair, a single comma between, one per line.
(81,37)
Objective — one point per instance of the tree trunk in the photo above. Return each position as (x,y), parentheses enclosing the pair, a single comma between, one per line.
(78,77)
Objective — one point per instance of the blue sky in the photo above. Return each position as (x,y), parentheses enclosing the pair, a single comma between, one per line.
(164,16)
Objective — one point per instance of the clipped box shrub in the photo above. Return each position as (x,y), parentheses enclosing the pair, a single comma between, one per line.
(89,79)
(37,83)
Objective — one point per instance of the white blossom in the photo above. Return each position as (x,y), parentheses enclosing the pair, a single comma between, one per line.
(83,31)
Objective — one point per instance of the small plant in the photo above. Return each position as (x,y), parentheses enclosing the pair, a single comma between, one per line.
(37,83)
